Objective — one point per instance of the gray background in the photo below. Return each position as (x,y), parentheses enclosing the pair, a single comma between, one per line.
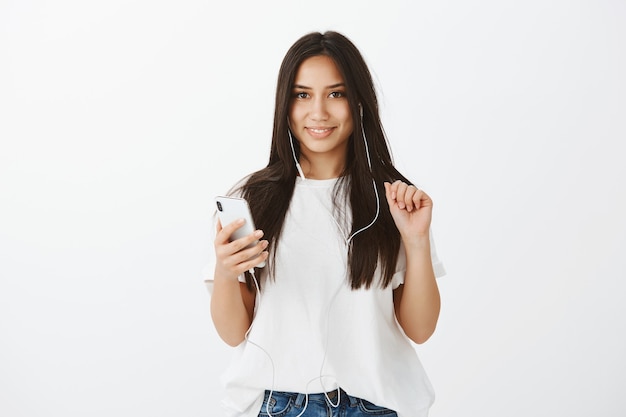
(121,120)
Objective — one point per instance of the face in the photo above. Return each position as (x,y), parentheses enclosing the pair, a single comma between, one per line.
(320,115)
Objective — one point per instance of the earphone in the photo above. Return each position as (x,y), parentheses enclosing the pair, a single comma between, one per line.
(369,163)
(293,152)
(347,241)
(320,377)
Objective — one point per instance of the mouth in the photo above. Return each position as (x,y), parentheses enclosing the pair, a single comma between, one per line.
(320,132)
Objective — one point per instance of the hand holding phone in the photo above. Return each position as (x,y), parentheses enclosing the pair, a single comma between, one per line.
(230,209)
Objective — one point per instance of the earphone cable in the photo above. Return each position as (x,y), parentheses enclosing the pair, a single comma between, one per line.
(369,163)
(258,291)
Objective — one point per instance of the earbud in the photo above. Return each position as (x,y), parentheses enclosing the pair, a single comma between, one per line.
(361,111)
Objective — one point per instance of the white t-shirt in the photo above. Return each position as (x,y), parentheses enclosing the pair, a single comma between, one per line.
(311,333)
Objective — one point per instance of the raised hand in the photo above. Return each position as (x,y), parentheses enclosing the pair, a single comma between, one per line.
(411,209)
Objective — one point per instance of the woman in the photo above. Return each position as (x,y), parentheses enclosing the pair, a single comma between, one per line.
(324,328)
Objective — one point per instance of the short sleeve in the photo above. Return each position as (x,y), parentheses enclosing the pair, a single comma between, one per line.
(438,268)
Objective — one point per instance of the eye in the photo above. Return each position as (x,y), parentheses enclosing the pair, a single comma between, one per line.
(337,94)
(301,95)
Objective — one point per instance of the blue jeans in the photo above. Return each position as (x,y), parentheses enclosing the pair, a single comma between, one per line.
(291,404)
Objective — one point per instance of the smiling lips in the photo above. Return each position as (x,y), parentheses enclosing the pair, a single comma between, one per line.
(320,132)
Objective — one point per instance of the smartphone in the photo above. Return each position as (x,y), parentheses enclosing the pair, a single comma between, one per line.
(230,209)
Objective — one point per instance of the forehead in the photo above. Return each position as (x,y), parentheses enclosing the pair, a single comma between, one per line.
(318,70)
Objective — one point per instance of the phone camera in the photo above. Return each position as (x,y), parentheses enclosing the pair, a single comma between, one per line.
(219,206)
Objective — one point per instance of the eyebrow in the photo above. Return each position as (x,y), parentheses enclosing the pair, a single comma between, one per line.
(330,87)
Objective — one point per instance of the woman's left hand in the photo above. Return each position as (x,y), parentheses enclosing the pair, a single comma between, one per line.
(411,209)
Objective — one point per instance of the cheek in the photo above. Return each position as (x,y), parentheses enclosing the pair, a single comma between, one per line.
(296,112)
(346,117)
(343,113)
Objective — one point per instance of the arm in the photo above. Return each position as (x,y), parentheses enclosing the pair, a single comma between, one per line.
(232,304)
(417,302)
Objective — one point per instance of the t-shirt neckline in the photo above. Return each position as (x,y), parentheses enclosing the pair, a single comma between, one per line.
(315,182)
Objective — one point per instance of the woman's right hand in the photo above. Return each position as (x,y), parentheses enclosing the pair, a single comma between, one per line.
(234,258)
(232,303)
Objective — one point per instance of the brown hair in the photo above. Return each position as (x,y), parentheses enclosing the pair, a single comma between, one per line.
(269,190)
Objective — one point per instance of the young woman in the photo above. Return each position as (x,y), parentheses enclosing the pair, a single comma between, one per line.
(325,327)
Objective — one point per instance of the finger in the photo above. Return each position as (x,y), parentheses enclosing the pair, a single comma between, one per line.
(253,252)
(391,192)
(394,189)
(251,263)
(243,261)
(223,235)
(388,194)
(243,242)
(410,198)
(422,199)
(247,259)
(401,197)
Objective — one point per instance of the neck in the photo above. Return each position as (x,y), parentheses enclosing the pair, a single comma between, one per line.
(321,168)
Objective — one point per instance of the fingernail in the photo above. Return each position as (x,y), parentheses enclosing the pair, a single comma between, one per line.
(258,233)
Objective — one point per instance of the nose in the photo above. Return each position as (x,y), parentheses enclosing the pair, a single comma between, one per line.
(319,110)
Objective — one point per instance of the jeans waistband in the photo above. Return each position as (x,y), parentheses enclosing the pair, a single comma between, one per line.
(335,397)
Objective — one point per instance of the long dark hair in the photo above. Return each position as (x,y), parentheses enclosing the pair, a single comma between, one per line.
(269,190)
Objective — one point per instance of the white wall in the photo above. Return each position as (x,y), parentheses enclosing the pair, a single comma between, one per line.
(120,121)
